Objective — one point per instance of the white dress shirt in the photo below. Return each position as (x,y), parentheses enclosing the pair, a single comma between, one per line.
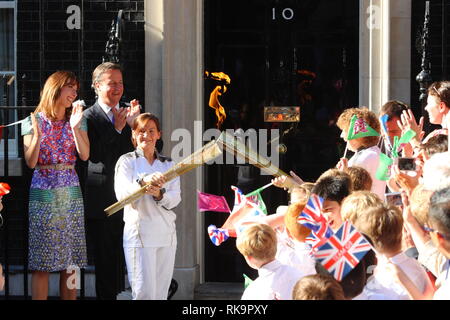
(369,159)
(383,286)
(275,282)
(148,223)
(107,110)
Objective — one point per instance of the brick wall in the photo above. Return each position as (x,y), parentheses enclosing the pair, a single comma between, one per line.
(45,44)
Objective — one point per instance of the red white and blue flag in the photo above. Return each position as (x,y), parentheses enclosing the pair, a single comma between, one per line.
(244,212)
(218,235)
(312,218)
(239,198)
(343,251)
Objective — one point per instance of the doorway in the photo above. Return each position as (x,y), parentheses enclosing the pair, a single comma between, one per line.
(277,53)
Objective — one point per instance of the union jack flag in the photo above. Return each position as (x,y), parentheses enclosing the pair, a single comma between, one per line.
(343,251)
(217,235)
(239,198)
(312,218)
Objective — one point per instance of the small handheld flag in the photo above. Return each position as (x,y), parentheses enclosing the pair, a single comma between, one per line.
(4,188)
(343,251)
(210,202)
(313,218)
(383,120)
(247,281)
(384,168)
(255,196)
(217,235)
(244,211)
(360,129)
(399,143)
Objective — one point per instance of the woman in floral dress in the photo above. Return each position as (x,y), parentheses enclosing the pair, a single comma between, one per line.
(53,135)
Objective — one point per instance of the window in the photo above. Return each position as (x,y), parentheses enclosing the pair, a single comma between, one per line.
(8,77)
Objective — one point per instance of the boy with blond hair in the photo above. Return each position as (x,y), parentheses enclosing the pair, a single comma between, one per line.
(258,245)
(439,229)
(384,225)
(356,204)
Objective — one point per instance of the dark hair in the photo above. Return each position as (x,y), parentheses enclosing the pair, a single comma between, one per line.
(436,144)
(440,90)
(355,281)
(394,108)
(140,122)
(333,188)
(101,69)
(318,287)
(440,210)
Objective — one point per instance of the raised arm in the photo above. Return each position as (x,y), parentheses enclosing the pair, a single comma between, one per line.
(32,143)
(80,136)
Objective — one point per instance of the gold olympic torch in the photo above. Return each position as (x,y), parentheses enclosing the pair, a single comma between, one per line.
(234,146)
(208,152)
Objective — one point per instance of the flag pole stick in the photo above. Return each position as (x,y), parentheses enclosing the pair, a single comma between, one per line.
(345,152)
(259,190)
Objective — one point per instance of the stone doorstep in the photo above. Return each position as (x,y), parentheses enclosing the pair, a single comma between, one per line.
(16,279)
(204,291)
(219,291)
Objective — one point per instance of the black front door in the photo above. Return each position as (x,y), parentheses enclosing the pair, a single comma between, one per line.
(278,53)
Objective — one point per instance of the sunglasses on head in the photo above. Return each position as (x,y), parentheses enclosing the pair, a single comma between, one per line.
(428,229)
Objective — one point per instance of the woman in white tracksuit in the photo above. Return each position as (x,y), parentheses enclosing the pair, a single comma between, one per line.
(149,237)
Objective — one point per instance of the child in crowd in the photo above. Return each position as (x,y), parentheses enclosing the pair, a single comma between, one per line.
(383,225)
(354,206)
(361,179)
(258,245)
(439,230)
(415,215)
(367,153)
(409,180)
(392,112)
(318,287)
(292,249)
(419,204)
(352,209)
(438,106)
(333,188)
(436,144)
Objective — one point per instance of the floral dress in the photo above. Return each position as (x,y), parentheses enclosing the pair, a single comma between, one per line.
(56,212)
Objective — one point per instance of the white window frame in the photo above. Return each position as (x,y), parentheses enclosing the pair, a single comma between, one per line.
(12,143)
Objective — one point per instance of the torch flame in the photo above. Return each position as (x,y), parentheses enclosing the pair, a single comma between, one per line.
(219,76)
(218,91)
